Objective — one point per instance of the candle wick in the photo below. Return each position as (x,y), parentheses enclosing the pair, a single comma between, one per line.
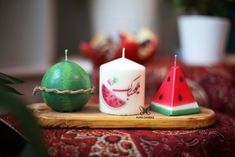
(123,52)
(175,60)
(66,54)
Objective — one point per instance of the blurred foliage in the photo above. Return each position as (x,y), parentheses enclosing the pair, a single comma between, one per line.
(13,104)
(5,80)
(205,7)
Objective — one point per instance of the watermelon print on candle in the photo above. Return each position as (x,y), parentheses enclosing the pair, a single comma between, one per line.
(111,99)
(110,96)
(174,96)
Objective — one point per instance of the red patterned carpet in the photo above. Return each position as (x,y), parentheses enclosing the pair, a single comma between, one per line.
(217,140)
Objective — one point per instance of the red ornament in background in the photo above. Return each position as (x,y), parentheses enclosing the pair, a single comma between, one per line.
(102,48)
(174,96)
(131,47)
(91,53)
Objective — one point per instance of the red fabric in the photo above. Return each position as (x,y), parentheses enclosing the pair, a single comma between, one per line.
(217,140)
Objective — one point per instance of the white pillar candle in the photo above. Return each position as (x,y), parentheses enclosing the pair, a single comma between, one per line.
(122,87)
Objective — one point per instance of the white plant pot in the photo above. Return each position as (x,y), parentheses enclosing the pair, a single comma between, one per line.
(112,16)
(202,39)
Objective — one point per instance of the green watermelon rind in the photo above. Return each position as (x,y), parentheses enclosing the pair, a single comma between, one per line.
(174,112)
(66,102)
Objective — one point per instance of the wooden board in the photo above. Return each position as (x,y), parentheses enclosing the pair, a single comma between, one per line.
(91,117)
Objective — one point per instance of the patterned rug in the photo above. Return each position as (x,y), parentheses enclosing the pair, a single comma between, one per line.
(217,140)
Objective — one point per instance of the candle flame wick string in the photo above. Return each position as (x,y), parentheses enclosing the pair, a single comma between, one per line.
(66,54)
(175,60)
(123,52)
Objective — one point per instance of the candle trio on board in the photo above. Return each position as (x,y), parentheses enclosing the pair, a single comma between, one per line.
(66,87)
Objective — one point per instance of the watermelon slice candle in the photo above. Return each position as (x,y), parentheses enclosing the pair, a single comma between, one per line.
(174,96)
(122,84)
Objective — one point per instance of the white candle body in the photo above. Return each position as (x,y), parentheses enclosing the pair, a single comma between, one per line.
(122,87)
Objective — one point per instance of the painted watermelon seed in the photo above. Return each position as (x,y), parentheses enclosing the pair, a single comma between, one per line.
(180,98)
(160,97)
(168,80)
(181,79)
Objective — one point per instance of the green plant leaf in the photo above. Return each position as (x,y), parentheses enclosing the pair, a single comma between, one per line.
(26,120)
(9,89)
(6,79)
(205,7)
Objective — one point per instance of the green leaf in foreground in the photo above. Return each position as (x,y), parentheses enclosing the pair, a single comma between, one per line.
(6,79)
(9,89)
(26,120)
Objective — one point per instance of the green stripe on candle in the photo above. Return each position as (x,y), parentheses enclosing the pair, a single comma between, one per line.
(174,112)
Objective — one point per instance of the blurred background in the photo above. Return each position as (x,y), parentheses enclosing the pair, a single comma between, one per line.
(35,33)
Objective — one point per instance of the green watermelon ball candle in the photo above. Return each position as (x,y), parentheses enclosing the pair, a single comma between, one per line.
(66,87)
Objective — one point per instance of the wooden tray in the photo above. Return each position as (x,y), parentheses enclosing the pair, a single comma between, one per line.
(91,117)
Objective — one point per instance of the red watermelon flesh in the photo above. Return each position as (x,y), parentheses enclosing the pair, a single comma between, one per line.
(111,99)
(174,90)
